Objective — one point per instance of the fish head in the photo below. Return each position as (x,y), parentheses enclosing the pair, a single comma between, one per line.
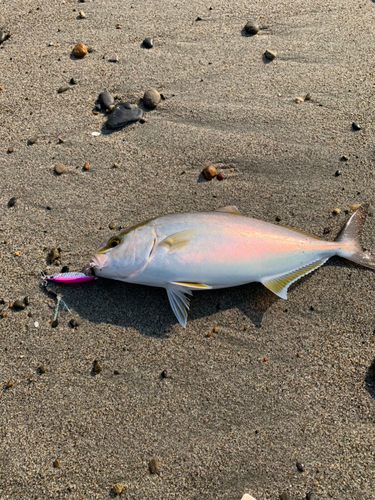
(125,254)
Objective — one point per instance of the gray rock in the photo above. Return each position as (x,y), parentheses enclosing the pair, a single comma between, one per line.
(106,99)
(18,305)
(2,36)
(122,114)
(63,88)
(251,28)
(148,42)
(59,168)
(356,126)
(270,55)
(154,465)
(33,139)
(284,496)
(151,98)
(12,202)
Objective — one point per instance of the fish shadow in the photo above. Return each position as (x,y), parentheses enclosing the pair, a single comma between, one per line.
(370,380)
(147,309)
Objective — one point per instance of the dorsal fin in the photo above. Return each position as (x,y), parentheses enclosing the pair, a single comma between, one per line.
(228,210)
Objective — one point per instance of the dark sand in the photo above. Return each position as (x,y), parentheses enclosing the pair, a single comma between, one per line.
(225,422)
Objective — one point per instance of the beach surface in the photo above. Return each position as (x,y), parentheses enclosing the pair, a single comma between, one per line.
(257,395)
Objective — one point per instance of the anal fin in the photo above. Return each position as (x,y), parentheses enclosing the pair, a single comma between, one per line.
(279,284)
(179,302)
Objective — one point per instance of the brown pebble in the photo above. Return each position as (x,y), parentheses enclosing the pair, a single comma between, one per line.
(209,172)
(220,176)
(117,488)
(215,329)
(86,165)
(298,100)
(10,150)
(151,98)
(115,165)
(61,140)
(56,463)
(354,207)
(9,384)
(118,26)
(3,315)
(53,255)
(208,334)
(336,211)
(30,314)
(80,50)
(82,15)
(308,97)
(109,109)
(97,366)
(154,465)
(59,168)
(42,369)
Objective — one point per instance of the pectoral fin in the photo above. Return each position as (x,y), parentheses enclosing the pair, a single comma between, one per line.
(179,302)
(228,210)
(279,284)
(178,240)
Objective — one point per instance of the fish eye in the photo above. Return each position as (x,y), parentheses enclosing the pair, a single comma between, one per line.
(114,241)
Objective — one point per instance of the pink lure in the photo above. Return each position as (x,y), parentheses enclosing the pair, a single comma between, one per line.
(69,277)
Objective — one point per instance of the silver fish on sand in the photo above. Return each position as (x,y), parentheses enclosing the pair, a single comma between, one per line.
(219,249)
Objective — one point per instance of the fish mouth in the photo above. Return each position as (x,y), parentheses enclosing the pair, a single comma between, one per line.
(97,262)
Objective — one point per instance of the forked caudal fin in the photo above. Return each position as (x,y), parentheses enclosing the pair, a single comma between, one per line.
(348,236)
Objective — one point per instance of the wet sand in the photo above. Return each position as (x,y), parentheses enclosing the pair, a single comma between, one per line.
(279,382)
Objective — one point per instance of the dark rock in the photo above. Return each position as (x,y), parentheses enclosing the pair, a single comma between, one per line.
(270,55)
(337,173)
(151,98)
(63,88)
(308,97)
(356,126)
(106,99)
(326,230)
(251,28)
(310,496)
(12,202)
(55,323)
(299,465)
(18,305)
(53,255)
(97,366)
(164,374)
(26,300)
(42,369)
(220,176)
(344,158)
(284,496)
(154,465)
(73,323)
(30,314)
(148,42)
(278,218)
(122,114)
(116,372)
(65,269)
(73,81)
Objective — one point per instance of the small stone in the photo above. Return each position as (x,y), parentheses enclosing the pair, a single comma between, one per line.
(73,81)
(12,202)
(82,15)
(10,149)
(63,88)
(2,36)
(65,269)
(310,496)
(56,463)
(270,55)
(298,100)
(278,218)
(61,141)
(215,329)
(209,172)
(97,366)
(284,496)
(115,165)
(151,98)
(55,323)
(112,225)
(326,230)
(90,50)
(73,323)
(148,42)
(336,211)
(118,26)
(251,28)
(106,99)
(53,255)
(42,369)
(354,207)
(308,97)
(220,176)
(116,372)
(80,50)
(59,168)
(337,173)
(110,109)
(113,58)
(164,374)
(117,488)
(26,300)
(9,384)
(18,305)
(122,114)
(154,465)
(209,334)
(356,126)
(86,166)
(344,158)
(30,314)
(247,497)
(33,139)
(299,465)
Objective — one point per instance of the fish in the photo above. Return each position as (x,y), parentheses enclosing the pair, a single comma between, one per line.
(185,252)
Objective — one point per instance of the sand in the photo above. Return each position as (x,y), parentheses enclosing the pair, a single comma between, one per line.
(279,382)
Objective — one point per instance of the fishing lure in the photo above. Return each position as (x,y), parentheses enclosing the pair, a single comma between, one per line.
(73,277)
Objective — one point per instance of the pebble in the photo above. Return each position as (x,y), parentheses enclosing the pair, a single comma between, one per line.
(82,15)
(95,134)
(10,384)
(220,176)
(148,42)
(42,369)
(154,465)
(59,168)
(61,140)
(33,139)
(56,463)
(310,496)
(112,225)
(354,207)
(63,88)
(86,166)
(270,55)
(12,202)
(336,211)
(2,36)
(53,255)
(110,109)
(18,305)
(278,218)
(73,81)
(298,100)
(251,28)
(308,97)
(65,269)
(118,26)
(356,126)
(337,173)
(73,323)
(30,314)
(10,149)
(151,98)
(300,467)
(97,366)
(106,99)
(55,323)
(113,58)
(122,114)
(164,374)
(247,497)
(209,172)
(344,158)
(26,300)
(80,50)
(117,488)
(284,496)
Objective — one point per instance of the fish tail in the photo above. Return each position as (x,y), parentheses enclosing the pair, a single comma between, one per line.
(348,239)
